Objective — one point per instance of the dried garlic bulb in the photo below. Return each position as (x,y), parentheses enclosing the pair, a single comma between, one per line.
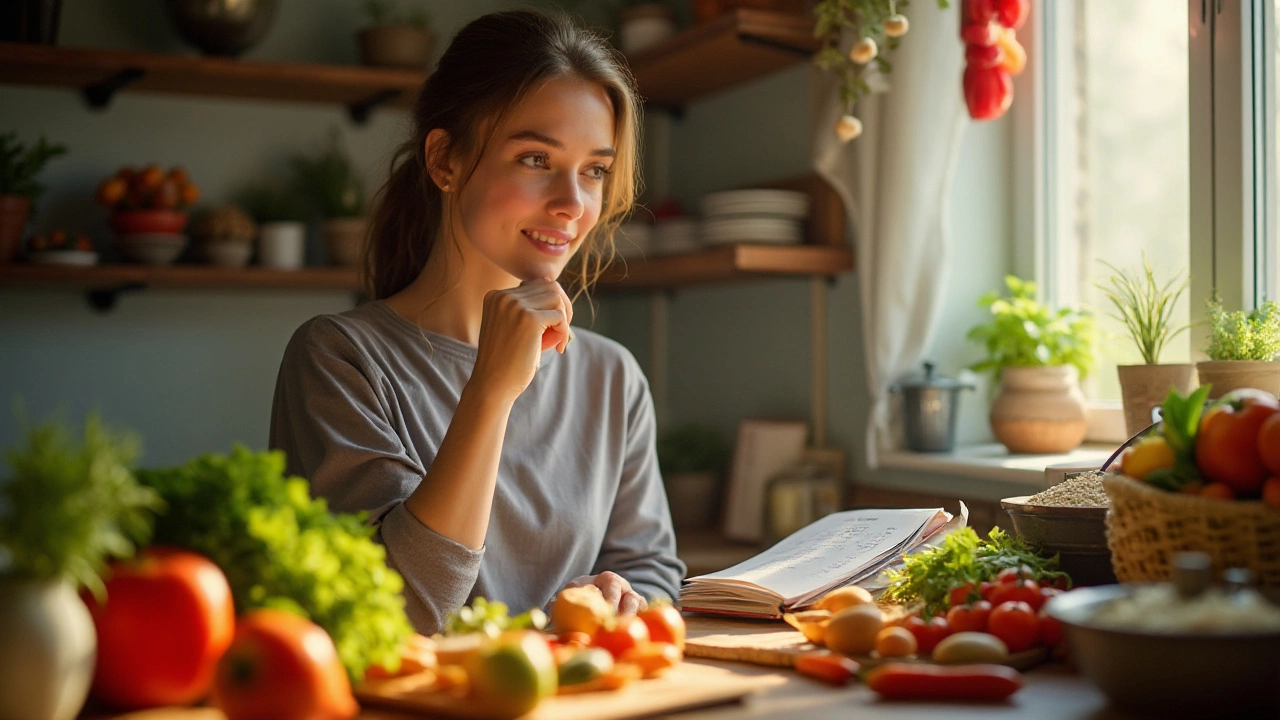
(895,25)
(848,128)
(864,51)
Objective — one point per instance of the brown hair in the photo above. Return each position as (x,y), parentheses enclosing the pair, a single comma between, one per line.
(490,66)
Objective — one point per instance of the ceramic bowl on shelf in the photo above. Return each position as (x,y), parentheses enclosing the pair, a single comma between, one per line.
(73,258)
(151,248)
(130,222)
(227,253)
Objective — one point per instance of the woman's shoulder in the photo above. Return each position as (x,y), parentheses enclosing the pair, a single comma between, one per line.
(605,354)
(342,332)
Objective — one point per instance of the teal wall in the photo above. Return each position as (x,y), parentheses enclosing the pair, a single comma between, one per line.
(193,371)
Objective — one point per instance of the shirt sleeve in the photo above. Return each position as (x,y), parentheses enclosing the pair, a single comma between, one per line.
(331,418)
(640,543)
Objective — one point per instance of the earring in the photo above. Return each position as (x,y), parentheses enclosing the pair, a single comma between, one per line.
(445,186)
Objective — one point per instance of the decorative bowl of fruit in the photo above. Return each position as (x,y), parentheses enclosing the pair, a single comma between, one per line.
(148,211)
(59,247)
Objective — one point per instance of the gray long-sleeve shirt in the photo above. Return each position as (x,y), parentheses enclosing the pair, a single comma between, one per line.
(362,403)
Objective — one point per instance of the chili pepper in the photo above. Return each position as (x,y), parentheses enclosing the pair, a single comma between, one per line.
(827,667)
(914,681)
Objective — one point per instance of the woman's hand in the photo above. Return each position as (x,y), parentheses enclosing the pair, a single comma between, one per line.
(517,325)
(616,590)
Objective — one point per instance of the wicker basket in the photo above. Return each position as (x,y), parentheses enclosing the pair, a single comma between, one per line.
(1148,526)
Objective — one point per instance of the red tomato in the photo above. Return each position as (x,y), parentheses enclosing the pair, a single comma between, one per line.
(282,667)
(962,595)
(961,618)
(1027,591)
(987,588)
(167,619)
(988,92)
(1016,624)
(627,632)
(1010,576)
(1269,443)
(1050,630)
(665,624)
(1012,13)
(928,634)
(1227,445)
(1271,493)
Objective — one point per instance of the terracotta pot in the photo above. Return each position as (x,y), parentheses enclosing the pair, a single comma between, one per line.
(1144,387)
(403,46)
(1039,410)
(1228,375)
(14,211)
(344,238)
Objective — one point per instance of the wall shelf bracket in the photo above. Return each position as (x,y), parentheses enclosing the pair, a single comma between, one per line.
(99,95)
(104,299)
(360,111)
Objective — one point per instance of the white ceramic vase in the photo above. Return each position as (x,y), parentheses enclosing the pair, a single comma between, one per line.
(282,245)
(47,650)
(1039,410)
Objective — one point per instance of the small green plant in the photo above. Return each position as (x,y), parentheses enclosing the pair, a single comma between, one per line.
(331,180)
(390,12)
(1241,334)
(1145,306)
(70,505)
(20,164)
(1023,332)
(692,448)
(273,202)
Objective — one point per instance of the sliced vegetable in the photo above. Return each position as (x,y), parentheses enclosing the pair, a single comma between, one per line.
(917,681)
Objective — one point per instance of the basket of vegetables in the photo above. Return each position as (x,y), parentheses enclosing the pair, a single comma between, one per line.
(1206,479)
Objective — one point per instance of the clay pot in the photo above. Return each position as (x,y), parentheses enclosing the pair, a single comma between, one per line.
(14,211)
(1039,410)
(344,238)
(1144,387)
(1228,375)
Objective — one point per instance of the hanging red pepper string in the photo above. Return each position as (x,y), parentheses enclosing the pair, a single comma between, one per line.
(992,53)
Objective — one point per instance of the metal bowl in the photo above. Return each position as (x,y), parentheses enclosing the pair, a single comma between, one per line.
(1077,535)
(222,27)
(1175,675)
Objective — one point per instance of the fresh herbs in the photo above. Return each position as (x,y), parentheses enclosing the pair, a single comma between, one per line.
(490,618)
(1241,335)
(280,548)
(928,576)
(71,505)
(1022,332)
(1145,305)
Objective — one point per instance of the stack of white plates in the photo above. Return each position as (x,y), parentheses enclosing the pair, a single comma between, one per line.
(675,235)
(754,216)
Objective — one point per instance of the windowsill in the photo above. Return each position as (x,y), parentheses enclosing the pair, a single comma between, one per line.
(993,462)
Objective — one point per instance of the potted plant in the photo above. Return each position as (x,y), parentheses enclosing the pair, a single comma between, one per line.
(148,211)
(1145,306)
(1039,356)
(1242,350)
(330,179)
(66,506)
(282,231)
(396,37)
(19,166)
(693,458)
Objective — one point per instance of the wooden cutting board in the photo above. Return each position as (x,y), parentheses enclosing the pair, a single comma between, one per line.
(684,687)
(777,644)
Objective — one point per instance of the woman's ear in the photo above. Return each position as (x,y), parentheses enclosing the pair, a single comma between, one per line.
(439,161)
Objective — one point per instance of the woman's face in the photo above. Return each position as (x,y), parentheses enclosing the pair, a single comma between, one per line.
(538,188)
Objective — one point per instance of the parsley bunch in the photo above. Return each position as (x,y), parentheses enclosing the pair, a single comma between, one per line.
(963,557)
(281,548)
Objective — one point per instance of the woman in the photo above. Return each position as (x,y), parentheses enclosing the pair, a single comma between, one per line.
(497,459)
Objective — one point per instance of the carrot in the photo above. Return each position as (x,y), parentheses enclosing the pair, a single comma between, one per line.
(912,681)
(827,667)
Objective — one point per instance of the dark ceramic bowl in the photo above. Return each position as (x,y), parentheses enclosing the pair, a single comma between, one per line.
(1077,535)
(222,27)
(1180,675)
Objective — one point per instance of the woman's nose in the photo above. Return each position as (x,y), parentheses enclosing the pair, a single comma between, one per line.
(567,197)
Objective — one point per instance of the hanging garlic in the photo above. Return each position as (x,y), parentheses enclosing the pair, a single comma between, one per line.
(895,25)
(864,51)
(848,128)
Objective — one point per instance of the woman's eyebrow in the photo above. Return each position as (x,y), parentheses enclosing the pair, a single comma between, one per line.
(536,136)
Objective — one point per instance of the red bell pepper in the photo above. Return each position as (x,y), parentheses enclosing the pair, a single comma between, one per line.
(988,92)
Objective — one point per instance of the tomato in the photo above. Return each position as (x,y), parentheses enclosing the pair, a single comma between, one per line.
(828,667)
(1218,491)
(1271,492)
(1027,591)
(665,624)
(987,588)
(1010,576)
(928,634)
(962,595)
(1227,444)
(281,666)
(1269,443)
(969,617)
(1049,630)
(625,633)
(1016,624)
(167,619)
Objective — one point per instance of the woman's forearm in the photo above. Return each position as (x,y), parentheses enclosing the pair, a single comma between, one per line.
(455,497)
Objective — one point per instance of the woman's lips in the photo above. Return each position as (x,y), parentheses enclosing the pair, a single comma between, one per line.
(549,241)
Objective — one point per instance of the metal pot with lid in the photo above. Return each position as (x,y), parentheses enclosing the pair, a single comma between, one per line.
(930,405)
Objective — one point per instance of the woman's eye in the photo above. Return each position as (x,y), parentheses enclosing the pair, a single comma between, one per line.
(597,172)
(535,161)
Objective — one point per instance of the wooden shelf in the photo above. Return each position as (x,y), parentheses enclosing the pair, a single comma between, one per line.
(100,73)
(727,263)
(738,46)
(117,277)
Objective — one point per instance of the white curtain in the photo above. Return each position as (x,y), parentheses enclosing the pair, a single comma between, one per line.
(895,181)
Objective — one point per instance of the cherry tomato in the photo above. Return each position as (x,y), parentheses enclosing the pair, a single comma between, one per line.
(961,618)
(627,632)
(1027,591)
(1050,630)
(665,624)
(1016,624)
(1227,444)
(1269,443)
(1009,576)
(986,588)
(962,595)
(1218,491)
(928,634)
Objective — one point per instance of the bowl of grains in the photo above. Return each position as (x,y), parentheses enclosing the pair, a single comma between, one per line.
(1069,520)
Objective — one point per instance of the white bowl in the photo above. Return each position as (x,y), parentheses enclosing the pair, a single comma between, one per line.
(78,258)
(151,248)
(227,253)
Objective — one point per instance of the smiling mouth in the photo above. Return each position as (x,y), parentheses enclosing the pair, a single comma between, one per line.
(544,238)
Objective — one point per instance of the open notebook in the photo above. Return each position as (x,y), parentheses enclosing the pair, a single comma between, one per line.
(843,548)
